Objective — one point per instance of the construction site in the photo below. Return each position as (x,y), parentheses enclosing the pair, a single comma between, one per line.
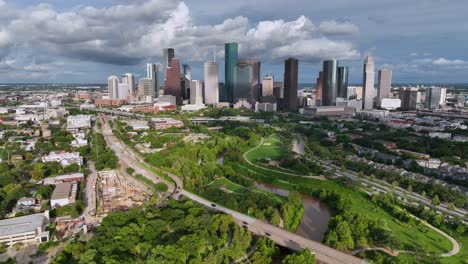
(115,192)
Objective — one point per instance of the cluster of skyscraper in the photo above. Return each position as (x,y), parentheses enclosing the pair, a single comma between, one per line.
(332,84)
(243,82)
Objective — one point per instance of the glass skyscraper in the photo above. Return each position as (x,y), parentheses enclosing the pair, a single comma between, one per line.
(291,68)
(230,60)
(330,79)
(342,82)
(243,78)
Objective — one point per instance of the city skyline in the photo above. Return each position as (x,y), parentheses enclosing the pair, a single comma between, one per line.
(79,45)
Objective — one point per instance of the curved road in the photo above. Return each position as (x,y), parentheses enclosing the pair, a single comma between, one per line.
(280,236)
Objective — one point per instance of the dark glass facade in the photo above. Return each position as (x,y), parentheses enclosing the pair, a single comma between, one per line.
(330,79)
(291,69)
(172,84)
(243,76)
(230,62)
(168,55)
(342,82)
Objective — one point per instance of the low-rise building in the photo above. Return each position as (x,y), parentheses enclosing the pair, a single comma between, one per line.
(329,111)
(139,125)
(265,107)
(390,103)
(440,135)
(78,122)
(26,201)
(56,112)
(64,158)
(79,142)
(25,229)
(73,177)
(109,102)
(164,123)
(64,194)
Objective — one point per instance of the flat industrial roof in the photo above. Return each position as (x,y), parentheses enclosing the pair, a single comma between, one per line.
(62,191)
(21,224)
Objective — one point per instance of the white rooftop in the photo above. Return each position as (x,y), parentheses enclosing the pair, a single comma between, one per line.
(21,224)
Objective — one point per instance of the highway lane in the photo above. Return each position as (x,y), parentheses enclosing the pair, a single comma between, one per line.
(403,194)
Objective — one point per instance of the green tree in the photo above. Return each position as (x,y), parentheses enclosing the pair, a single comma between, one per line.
(303,257)
(435,200)
(37,171)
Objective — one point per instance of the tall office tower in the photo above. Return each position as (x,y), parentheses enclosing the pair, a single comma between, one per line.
(168,55)
(267,85)
(319,86)
(443,96)
(291,68)
(222,92)
(145,88)
(172,84)
(230,62)
(113,86)
(186,78)
(342,85)
(211,83)
(330,79)
(408,98)
(152,73)
(279,86)
(124,91)
(243,78)
(384,85)
(186,71)
(368,83)
(433,97)
(129,79)
(196,93)
(255,63)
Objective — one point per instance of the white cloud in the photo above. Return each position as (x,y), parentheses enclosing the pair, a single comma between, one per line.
(333,27)
(132,33)
(445,62)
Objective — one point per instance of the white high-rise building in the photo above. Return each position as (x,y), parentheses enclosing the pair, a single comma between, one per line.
(196,94)
(267,85)
(368,83)
(123,93)
(152,73)
(128,79)
(145,88)
(443,96)
(113,85)
(211,83)
(149,70)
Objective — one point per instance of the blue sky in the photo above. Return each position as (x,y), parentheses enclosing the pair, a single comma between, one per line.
(86,41)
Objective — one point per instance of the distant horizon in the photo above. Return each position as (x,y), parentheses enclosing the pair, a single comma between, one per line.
(299,83)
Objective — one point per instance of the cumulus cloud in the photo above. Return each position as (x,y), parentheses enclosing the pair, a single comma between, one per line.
(132,33)
(446,62)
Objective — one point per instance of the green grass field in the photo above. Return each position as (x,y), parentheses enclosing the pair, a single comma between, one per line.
(270,149)
(229,185)
(410,236)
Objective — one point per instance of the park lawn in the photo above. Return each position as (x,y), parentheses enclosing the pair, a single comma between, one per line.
(410,236)
(270,149)
(234,187)
(462,256)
